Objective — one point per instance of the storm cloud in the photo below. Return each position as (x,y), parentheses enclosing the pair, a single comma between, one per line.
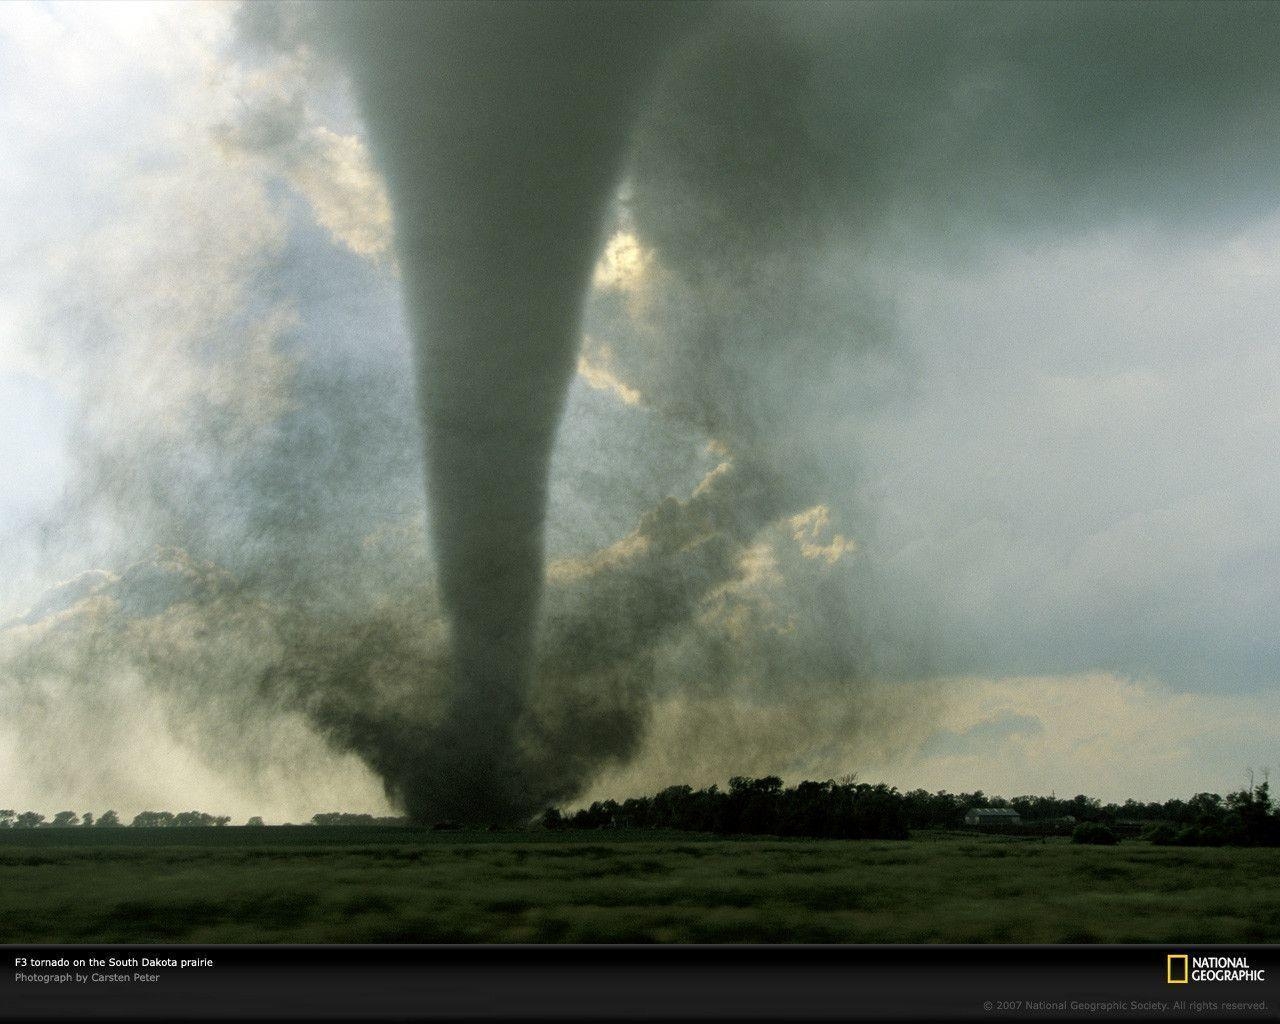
(910,342)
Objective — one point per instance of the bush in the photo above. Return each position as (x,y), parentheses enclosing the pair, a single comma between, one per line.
(1162,835)
(1094,834)
(1209,835)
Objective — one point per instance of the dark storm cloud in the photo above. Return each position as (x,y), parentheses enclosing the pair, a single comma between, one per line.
(987,116)
(791,133)
(800,166)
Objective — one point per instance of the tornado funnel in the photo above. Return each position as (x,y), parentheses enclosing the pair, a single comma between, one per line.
(501,129)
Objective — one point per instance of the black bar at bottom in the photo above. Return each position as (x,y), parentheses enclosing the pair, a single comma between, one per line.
(618,982)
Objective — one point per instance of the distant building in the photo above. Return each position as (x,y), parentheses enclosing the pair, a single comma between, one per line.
(992,817)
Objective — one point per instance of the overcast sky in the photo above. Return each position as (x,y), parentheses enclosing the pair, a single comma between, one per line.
(1040,384)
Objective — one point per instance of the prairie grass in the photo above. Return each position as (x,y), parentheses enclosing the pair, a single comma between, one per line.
(405,885)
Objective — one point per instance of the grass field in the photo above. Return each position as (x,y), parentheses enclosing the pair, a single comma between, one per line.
(405,885)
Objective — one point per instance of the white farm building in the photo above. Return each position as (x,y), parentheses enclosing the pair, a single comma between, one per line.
(992,817)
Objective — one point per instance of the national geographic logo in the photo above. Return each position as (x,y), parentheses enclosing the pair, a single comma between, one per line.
(1182,968)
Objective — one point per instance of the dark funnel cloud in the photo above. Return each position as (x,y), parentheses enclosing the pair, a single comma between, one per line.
(501,130)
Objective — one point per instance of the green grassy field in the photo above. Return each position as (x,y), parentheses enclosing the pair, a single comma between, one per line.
(405,885)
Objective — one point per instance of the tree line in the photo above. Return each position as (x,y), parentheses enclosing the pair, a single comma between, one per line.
(110,819)
(851,810)
(829,810)
(835,809)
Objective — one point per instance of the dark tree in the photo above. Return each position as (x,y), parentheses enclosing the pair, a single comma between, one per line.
(152,819)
